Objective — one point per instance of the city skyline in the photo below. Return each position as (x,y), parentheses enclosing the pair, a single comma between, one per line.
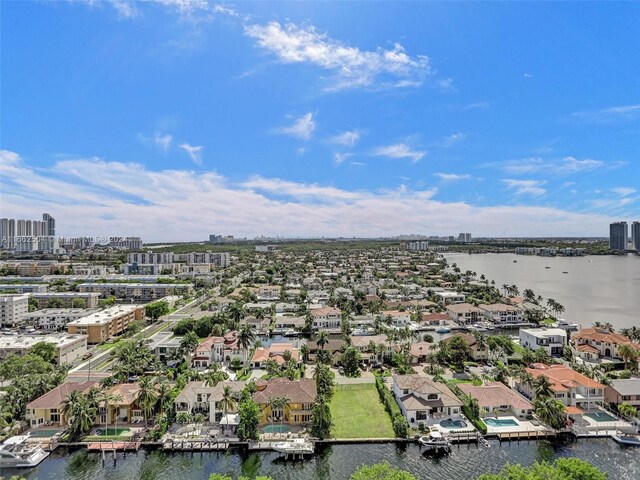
(284,119)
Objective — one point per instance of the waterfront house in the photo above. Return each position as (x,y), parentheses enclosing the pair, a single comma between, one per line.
(623,391)
(424,401)
(47,408)
(326,318)
(553,340)
(464,313)
(218,350)
(125,410)
(501,313)
(475,352)
(300,396)
(495,398)
(570,387)
(197,397)
(598,345)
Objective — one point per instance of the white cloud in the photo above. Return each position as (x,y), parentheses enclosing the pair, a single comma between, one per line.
(194,152)
(351,66)
(453,138)
(158,140)
(571,165)
(526,187)
(347,139)
(527,75)
(567,166)
(624,191)
(451,177)
(339,157)
(95,197)
(609,114)
(399,150)
(302,127)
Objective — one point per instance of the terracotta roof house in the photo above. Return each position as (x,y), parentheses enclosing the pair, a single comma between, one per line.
(47,409)
(570,387)
(603,345)
(494,397)
(274,352)
(300,395)
(423,401)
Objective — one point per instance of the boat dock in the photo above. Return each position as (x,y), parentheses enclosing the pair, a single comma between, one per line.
(195,445)
(529,435)
(113,446)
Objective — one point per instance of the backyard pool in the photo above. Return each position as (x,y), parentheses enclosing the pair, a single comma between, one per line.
(111,431)
(452,424)
(601,417)
(276,429)
(43,433)
(500,422)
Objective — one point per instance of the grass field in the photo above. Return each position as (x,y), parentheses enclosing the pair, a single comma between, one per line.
(358,413)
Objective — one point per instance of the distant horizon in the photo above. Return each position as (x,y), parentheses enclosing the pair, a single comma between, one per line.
(169,119)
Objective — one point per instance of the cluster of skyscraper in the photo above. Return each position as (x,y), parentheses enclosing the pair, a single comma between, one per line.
(28,235)
(619,236)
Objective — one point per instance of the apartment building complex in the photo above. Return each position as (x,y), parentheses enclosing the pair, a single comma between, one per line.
(144,292)
(68,347)
(103,325)
(12,307)
(65,299)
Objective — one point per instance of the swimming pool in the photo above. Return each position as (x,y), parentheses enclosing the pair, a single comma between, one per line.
(601,417)
(501,422)
(276,429)
(453,424)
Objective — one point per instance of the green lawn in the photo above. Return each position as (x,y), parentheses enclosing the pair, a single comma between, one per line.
(358,413)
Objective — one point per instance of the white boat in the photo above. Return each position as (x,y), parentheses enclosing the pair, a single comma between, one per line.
(290,333)
(435,439)
(443,329)
(630,438)
(297,445)
(360,332)
(16,453)
(562,323)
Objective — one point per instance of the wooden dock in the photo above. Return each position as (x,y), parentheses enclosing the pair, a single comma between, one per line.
(530,435)
(114,446)
(195,445)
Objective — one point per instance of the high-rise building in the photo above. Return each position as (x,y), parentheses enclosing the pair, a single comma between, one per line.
(618,236)
(464,237)
(635,236)
(51,224)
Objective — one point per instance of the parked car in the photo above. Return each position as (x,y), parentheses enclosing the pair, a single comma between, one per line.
(87,355)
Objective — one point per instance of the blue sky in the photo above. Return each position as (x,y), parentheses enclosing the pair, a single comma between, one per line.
(174,119)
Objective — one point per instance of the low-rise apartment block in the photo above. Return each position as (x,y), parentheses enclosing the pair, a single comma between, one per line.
(24,287)
(106,324)
(144,292)
(55,319)
(68,347)
(65,299)
(12,308)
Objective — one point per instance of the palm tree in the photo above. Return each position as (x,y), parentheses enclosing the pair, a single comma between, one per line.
(106,397)
(245,337)
(214,375)
(628,354)
(81,413)
(228,401)
(69,403)
(273,403)
(304,351)
(550,411)
(164,394)
(542,386)
(236,313)
(627,410)
(116,398)
(323,339)
(183,417)
(189,343)
(147,396)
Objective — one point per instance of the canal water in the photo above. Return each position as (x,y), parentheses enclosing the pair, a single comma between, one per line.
(603,288)
(335,462)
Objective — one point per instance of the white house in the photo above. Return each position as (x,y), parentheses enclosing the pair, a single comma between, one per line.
(423,401)
(552,340)
(326,318)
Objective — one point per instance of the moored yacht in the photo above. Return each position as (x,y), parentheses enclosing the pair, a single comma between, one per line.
(297,445)
(16,453)
(435,439)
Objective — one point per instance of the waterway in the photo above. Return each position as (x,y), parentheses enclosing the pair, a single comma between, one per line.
(604,288)
(335,462)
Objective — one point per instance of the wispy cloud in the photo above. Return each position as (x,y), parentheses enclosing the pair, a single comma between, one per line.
(399,150)
(194,152)
(302,127)
(475,106)
(621,113)
(451,177)
(159,140)
(526,187)
(527,75)
(453,138)
(351,67)
(91,196)
(339,158)
(566,166)
(347,139)
(624,191)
